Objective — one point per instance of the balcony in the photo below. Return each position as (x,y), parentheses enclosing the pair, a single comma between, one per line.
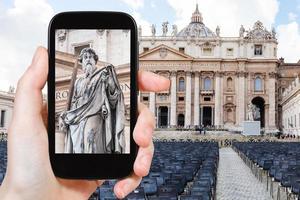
(206,92)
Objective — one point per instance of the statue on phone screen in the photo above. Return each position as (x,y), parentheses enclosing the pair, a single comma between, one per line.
(95,120)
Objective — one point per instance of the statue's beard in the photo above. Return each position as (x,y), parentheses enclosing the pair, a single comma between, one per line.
(89,70)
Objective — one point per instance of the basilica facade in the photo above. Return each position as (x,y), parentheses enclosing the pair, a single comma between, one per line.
(213,78)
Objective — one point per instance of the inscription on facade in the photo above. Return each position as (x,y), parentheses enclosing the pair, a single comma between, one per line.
(63,94)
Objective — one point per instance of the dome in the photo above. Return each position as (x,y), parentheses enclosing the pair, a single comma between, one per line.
(196,28)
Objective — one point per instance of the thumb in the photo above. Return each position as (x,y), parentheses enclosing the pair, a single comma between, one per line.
(29,101)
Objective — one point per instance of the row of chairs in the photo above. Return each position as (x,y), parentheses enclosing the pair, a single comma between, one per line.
(179,170)
(279,160)
(204,184)
(3,159)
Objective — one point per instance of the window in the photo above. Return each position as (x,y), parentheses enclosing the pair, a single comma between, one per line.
(181,49)
(258,49)
(180,98)
(295,121)
(275,52)
(163,97)
(257,84)
(146,49)
(2,118)
(207,83)
(206,51)
(145,98)
(181,84)
(206,98)
(229,83)
(77,50)
(229,52)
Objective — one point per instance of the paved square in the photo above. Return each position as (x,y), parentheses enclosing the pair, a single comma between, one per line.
(236,181)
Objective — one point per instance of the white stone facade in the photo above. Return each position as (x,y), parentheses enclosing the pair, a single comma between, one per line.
(213,78)
(291,109)
(112,46)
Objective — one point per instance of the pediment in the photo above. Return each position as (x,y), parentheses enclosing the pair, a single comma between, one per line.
(163,52)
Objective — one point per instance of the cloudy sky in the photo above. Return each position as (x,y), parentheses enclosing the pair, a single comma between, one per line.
(23,23)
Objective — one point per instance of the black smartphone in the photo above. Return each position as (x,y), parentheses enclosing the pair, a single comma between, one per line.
(92,94)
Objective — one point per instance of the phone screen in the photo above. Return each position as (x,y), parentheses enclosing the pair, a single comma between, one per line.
(92,91)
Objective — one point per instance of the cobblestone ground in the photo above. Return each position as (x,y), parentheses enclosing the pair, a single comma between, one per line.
(236,181)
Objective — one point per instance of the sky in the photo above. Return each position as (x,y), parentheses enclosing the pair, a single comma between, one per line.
(24,23)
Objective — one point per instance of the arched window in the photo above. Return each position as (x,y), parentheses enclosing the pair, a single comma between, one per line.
(181,84)
(207,83)
(257,84)
(229,83)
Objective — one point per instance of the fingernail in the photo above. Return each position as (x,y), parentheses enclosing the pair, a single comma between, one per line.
(36,56)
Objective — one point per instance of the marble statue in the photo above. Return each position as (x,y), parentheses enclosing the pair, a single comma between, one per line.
(11,89)
(165,28)
(153,30)
(242,31)
(62,35)
(175,30)
(250,112)
(218,31)
(96,119)
(253,112)
(273,33)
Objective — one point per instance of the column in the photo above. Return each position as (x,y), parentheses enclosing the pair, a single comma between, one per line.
(271,92)
(212,116)
(173,99)
(217,98)
(241,98)
(188,99)
(169,111)
(221,100)
(152,102)
(201,114)
(157,116)
(196,100)
(267,116)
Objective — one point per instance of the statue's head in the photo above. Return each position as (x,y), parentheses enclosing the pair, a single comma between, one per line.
(88,59)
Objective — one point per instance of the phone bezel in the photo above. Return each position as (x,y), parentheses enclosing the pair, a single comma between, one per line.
(92,166)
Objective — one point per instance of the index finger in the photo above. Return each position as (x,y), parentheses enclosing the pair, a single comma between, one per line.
(152,82)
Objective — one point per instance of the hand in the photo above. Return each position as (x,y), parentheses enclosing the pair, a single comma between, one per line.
(29,174)
(61,122)
(104,111)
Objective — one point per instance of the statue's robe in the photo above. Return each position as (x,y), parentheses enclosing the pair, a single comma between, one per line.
(96,119)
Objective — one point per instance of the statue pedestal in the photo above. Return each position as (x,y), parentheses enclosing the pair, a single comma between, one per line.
(251,128)
(59,142)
